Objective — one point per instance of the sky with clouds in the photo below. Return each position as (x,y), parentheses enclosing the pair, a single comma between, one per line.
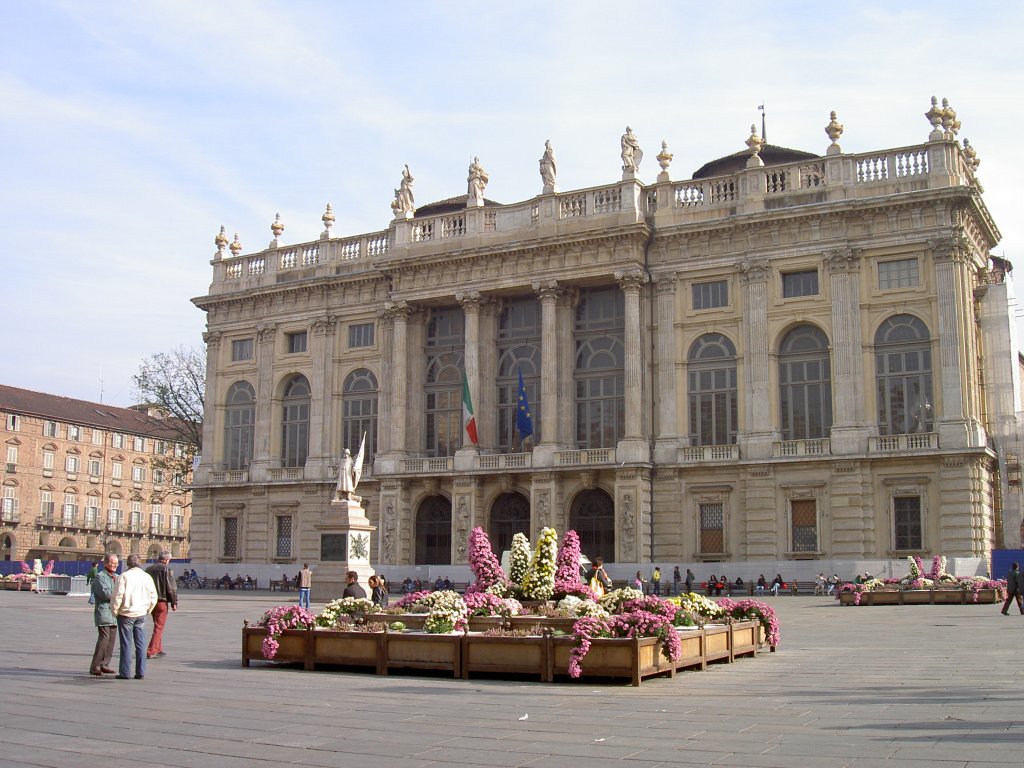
(131,131)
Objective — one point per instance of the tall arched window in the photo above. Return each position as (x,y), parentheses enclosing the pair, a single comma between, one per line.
(712,390)
(445,345)
(239,423)
(592,516)
(359,407)
(434,531)
(903,376)
(600,364)
(510,515)
(805,384)
(518,352)
(295,422)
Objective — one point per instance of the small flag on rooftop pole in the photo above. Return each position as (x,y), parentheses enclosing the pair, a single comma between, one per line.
(468,419)
(524,419)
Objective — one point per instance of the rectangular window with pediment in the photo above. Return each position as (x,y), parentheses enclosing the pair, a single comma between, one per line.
(711,294)
(804,521)
(712,528)
(901,273)
(906,514)
(230,540)
(284,536)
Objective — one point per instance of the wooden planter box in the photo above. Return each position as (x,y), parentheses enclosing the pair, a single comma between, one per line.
(632,658)
(424,651)
(717,643)
(922,597)
(561,625)
(294,646)
(412,621)
(746,637)
(483,623)
(692,642)
(355,649)
(18,586)
(506,655)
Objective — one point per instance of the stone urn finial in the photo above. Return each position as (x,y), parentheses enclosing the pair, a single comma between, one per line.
(277,228)
(664,160)
(934,116)
(328,220)
(971,156)
(754,143)
(834,130)
(221,241)
(949,122)
(236,246)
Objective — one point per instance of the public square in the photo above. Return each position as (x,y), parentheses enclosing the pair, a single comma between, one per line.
(861,687)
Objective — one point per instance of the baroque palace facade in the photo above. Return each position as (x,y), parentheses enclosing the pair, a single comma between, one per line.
(788,356)
(79,480)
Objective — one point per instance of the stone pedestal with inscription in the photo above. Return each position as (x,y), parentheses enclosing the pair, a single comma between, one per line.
(345,535)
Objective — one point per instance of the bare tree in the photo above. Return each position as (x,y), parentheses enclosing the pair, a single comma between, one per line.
(172,386)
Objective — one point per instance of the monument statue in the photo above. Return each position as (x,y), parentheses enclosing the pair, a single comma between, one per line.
(349,472)
(548,167)
(632,155)
(477,183)
(403,204)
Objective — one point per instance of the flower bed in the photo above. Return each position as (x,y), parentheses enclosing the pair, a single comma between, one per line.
(947,596)
(919,587)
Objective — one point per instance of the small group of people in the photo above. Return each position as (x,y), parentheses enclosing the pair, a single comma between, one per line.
(121,603)
(440,584)
(826,585)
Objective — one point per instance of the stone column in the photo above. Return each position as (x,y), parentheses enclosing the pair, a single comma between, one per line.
(957,349)
(756,438)
(398,312)
(385,384)
(566,362)
(850,419)
(633,447)
(211,450)
(322,354)
(487,409)
(667,446)
(265,335)
(470,301)
(548,292)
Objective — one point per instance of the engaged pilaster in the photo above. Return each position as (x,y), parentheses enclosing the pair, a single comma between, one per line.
(397,314)
(548,292)
(850,422)
(470,301)
(633,447)
(756,438)
(667,445)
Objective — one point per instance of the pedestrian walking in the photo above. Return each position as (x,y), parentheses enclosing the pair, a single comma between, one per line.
(166,601)
(1014,588)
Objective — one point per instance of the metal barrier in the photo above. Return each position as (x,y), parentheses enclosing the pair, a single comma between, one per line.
(53,585)
(79,587)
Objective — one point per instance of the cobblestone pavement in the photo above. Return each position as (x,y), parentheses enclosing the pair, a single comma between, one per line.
(918,686)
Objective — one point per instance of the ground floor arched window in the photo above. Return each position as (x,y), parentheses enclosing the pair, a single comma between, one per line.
(510,515)
(434,531)
(592,516)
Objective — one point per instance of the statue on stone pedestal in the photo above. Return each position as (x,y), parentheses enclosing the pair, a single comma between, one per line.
(403,204)
(632,155)
(477,182)
(548,167)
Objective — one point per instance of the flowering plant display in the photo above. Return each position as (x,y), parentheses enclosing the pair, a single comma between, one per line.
(652,604)
(488,604)
(446,612)
(341,610)
(624,625)
(698,605)
(413,602)
(915,566)
(539,581)
(533,631)
(567,568)
(484,564)
(519,558)
(277,620)
(744,610)
(612,601)
(574,607)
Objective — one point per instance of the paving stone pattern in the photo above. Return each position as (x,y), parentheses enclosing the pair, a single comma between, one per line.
(878,687)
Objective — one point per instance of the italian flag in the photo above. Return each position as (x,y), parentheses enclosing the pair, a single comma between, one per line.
(468,419)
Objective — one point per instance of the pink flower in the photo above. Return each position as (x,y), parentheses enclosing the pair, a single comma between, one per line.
(485,565)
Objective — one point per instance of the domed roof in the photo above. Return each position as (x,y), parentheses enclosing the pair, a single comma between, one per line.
(450,205)
(771,154)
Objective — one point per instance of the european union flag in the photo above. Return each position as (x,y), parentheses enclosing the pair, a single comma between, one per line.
(524,419)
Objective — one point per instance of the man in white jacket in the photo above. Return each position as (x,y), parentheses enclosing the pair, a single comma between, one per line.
(134,598)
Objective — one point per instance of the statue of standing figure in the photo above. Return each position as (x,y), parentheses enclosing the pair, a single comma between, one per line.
(548,168)
(477,183)
(403,204)
(632,155)
(349,473)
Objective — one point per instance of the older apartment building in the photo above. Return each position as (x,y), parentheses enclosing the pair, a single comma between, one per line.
(788,355)
(79,480)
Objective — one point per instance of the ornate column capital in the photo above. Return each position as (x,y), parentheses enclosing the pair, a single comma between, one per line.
(840,260)
(752,270)
(665,282)
(630,280)
(394,310)
(470,300)
(265,332)
(547,290)
(955,248)
(322,325)
(212,339)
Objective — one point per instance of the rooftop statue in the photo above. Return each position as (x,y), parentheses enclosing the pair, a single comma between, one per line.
(548,167)
(403,204)
(632,155)
(477,183)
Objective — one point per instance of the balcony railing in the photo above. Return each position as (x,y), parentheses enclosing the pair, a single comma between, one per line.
(287,474)
(917,441)
(230,476)
(701,453)
(792,448)
(440,464)
(585,456)
(505,461)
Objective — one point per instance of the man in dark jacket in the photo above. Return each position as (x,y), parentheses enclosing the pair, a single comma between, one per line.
(1014,588)
(166,598)
(352,587)
(106,623)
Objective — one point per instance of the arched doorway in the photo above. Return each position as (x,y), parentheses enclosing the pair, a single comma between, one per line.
(67,541)
(434,531)
(154,552)
(8,547)
(592,516)
(115,548)
(510,514)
